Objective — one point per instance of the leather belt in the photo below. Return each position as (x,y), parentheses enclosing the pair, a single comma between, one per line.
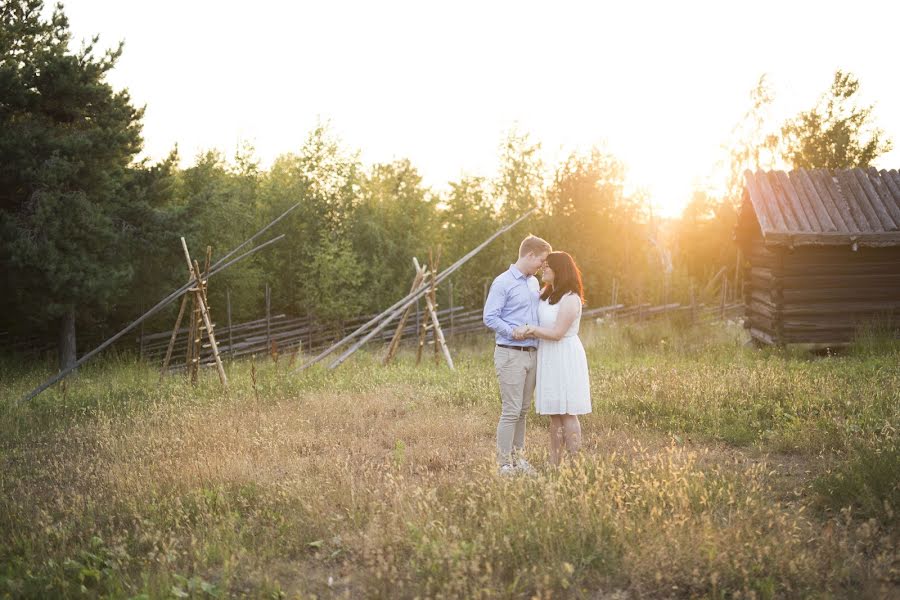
(521,348)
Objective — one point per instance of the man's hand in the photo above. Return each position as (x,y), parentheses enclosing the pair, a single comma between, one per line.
(522,332)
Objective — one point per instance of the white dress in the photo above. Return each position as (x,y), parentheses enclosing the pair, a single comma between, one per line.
(563,386)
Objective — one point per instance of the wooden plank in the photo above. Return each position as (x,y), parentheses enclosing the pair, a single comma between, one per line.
(762,336)
(887,222)
(840,270)
(853,307)
(810,197)
(861,213)
(770,187)
(803,214)
(815,178)
(850,280)
(785,192)
(880,239)
(892,181)
(767,220)
(830,184)
(884,258)
(828,295)
(880,187)
(762,295)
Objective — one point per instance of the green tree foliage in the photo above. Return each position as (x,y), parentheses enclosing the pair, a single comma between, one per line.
(469,218)
(591,217)
(86,233)
(326,180)
(218,204)
(66,142)
(153,250)
(394,220)
(836,133)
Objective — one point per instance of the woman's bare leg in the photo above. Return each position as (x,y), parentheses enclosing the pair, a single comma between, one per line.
(556,438)
(572,429)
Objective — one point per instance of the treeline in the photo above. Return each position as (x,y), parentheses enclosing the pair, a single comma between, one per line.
(89,238)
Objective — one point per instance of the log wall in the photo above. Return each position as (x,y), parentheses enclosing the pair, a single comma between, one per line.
(819,294)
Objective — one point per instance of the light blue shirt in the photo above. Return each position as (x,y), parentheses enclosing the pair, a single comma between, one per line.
(512,302)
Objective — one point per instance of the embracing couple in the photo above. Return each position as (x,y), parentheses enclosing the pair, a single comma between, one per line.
(538,351)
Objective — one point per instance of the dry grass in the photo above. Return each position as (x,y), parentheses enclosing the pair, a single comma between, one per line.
(374,482)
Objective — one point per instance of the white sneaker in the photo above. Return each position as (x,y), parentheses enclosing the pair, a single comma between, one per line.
(507,470)
(525,467)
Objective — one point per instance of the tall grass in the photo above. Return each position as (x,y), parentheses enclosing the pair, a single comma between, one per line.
(708,470)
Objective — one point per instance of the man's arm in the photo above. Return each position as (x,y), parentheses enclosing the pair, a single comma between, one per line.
(494,306)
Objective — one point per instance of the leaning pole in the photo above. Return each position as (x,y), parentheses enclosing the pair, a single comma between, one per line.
(394,311)
(220,265)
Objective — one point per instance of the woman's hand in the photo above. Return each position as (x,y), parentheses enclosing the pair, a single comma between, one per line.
(523,331)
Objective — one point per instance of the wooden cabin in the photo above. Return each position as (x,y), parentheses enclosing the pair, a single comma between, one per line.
(822,254)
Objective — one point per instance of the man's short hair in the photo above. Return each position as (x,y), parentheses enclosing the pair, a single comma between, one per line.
(533,244)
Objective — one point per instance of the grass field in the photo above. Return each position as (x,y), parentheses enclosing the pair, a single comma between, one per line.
(709,470)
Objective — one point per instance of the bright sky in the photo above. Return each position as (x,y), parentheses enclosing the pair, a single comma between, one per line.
(659,84)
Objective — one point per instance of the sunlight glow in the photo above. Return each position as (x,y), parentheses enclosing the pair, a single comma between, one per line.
(660,84)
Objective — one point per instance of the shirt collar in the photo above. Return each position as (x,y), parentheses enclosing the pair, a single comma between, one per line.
(516,272)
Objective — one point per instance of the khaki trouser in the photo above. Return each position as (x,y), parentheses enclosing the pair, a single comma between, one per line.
(516,372)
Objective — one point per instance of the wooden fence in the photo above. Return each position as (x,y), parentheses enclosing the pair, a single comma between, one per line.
(280,335)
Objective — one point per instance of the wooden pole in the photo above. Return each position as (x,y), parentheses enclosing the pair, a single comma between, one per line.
(418,315)
(423,289)
(693,304)
(221,265)
(205,273)
(452,324)
(162,372)
(436,327)
(189,349)
(394,311)
(141,354)
(204,313)
(198,328)
(615,296)
(256,235)
(394,345)
(268,320)
(193,350)
(433,262)
(724,296)
(228,312)
(423,334)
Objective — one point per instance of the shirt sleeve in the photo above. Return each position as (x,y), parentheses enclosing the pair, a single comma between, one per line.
(494,306)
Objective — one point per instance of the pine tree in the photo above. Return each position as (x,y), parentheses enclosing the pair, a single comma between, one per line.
(66,142)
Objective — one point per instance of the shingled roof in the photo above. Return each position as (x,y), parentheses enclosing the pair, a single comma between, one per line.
(858,207)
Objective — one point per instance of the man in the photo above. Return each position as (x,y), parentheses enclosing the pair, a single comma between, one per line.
(511,303)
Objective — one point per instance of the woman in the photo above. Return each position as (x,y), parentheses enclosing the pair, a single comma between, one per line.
(563,388)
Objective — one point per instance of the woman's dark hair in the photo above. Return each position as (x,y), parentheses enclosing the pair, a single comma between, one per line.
(566,278)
